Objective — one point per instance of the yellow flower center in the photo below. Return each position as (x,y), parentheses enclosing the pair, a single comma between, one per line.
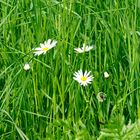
(83,78)
(45,49)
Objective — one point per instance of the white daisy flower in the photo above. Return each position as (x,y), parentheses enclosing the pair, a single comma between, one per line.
(106,75)
(83,49)
(26,66)
(45,47)
(83,78)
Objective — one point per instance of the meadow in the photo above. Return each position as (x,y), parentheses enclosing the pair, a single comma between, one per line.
(44,92)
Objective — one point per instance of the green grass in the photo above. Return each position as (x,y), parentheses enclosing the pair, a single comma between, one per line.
(45,103)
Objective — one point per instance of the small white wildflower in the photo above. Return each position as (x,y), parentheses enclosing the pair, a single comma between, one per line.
(106,75)
(83,49)
(101,96)
(26,66)
(83,78)
(45,47)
